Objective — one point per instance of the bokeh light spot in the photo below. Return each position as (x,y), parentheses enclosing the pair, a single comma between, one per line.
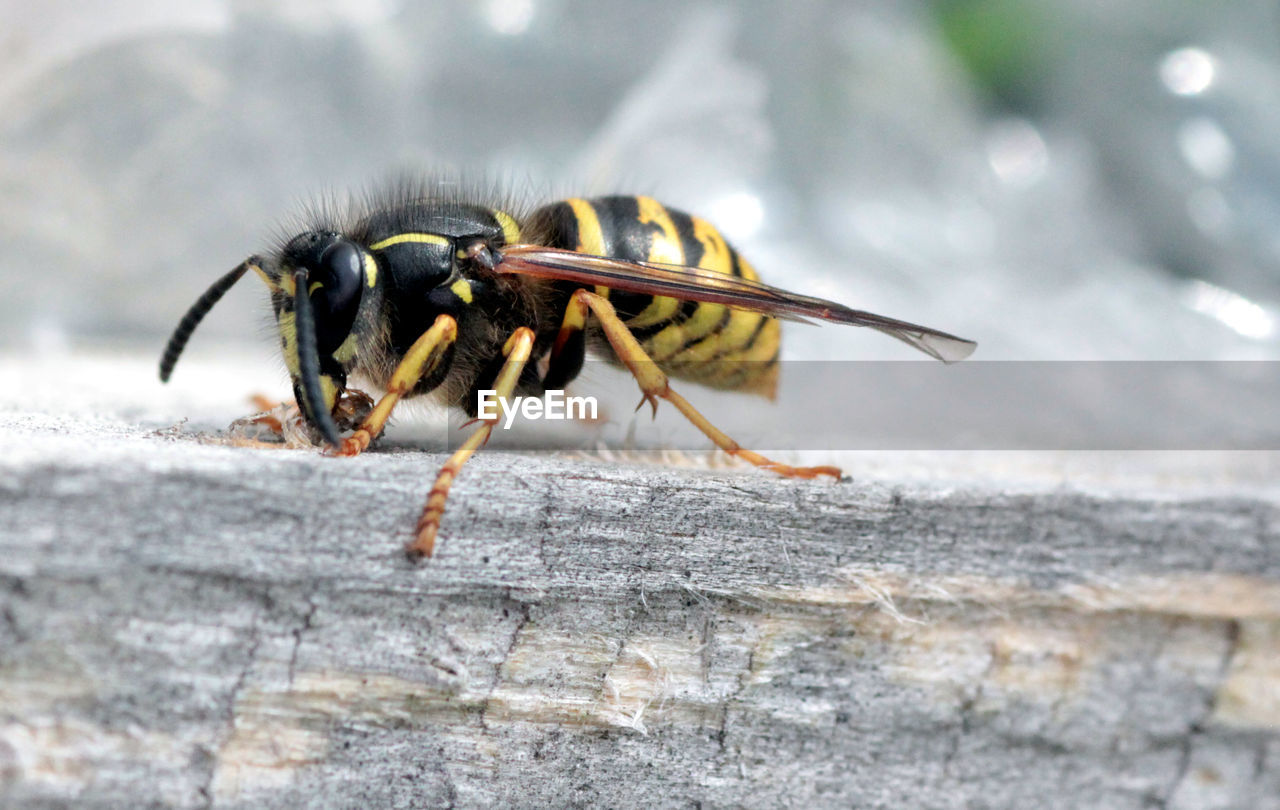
(1231,308)
(1187,71)
(1206,148)
(509,17)
(1017,153)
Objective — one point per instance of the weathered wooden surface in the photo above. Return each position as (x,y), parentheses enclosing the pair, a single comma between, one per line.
(192,625)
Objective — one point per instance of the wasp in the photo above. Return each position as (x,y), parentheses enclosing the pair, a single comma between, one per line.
(424,288)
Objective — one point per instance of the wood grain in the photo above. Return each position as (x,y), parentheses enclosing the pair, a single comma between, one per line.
(191,625)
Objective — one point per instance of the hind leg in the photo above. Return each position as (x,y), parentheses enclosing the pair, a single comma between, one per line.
(654,385)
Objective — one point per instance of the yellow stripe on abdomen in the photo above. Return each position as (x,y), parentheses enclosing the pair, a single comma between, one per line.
(739,354)
(590,236)
(664,248)
(677,342)
(715,253)
(704,342)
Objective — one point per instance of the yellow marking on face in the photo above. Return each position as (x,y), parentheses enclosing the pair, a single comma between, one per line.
(315,285)
(289,331)
(590,237)
(328,390)
(287,285)
(370,270)
(510,230)
(462,289)
(401,238)
(347,351)
(328,387)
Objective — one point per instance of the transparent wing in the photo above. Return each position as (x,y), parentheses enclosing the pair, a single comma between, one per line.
(696,284)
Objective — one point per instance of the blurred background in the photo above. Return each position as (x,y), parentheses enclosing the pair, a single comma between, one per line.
(1053,178)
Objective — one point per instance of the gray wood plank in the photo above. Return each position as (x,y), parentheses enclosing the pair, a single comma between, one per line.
(185,624)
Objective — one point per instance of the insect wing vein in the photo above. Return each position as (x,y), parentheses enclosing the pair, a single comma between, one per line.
(697,284)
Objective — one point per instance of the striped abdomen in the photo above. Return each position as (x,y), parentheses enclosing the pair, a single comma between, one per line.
(707,343)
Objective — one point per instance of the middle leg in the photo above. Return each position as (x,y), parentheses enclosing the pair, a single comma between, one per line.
(517,350)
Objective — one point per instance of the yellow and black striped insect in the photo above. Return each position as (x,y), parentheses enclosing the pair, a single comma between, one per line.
(423,289)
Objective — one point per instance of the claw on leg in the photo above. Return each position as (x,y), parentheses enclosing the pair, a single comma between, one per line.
(517,349)
(355,444)
(652,400)
(654,384)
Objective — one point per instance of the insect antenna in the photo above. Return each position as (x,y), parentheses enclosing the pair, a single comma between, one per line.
(178,340)
(309,359)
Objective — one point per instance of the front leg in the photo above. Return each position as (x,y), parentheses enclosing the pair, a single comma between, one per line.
(421,359)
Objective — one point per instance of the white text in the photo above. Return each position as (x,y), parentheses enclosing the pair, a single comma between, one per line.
(552,404)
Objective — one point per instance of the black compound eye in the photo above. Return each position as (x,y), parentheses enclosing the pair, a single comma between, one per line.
(340,274)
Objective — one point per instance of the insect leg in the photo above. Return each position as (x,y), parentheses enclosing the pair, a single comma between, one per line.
(654,384)
(569,349)
(517,351)
(420,360)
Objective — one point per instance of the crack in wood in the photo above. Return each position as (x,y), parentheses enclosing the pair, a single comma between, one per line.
(1199,726)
